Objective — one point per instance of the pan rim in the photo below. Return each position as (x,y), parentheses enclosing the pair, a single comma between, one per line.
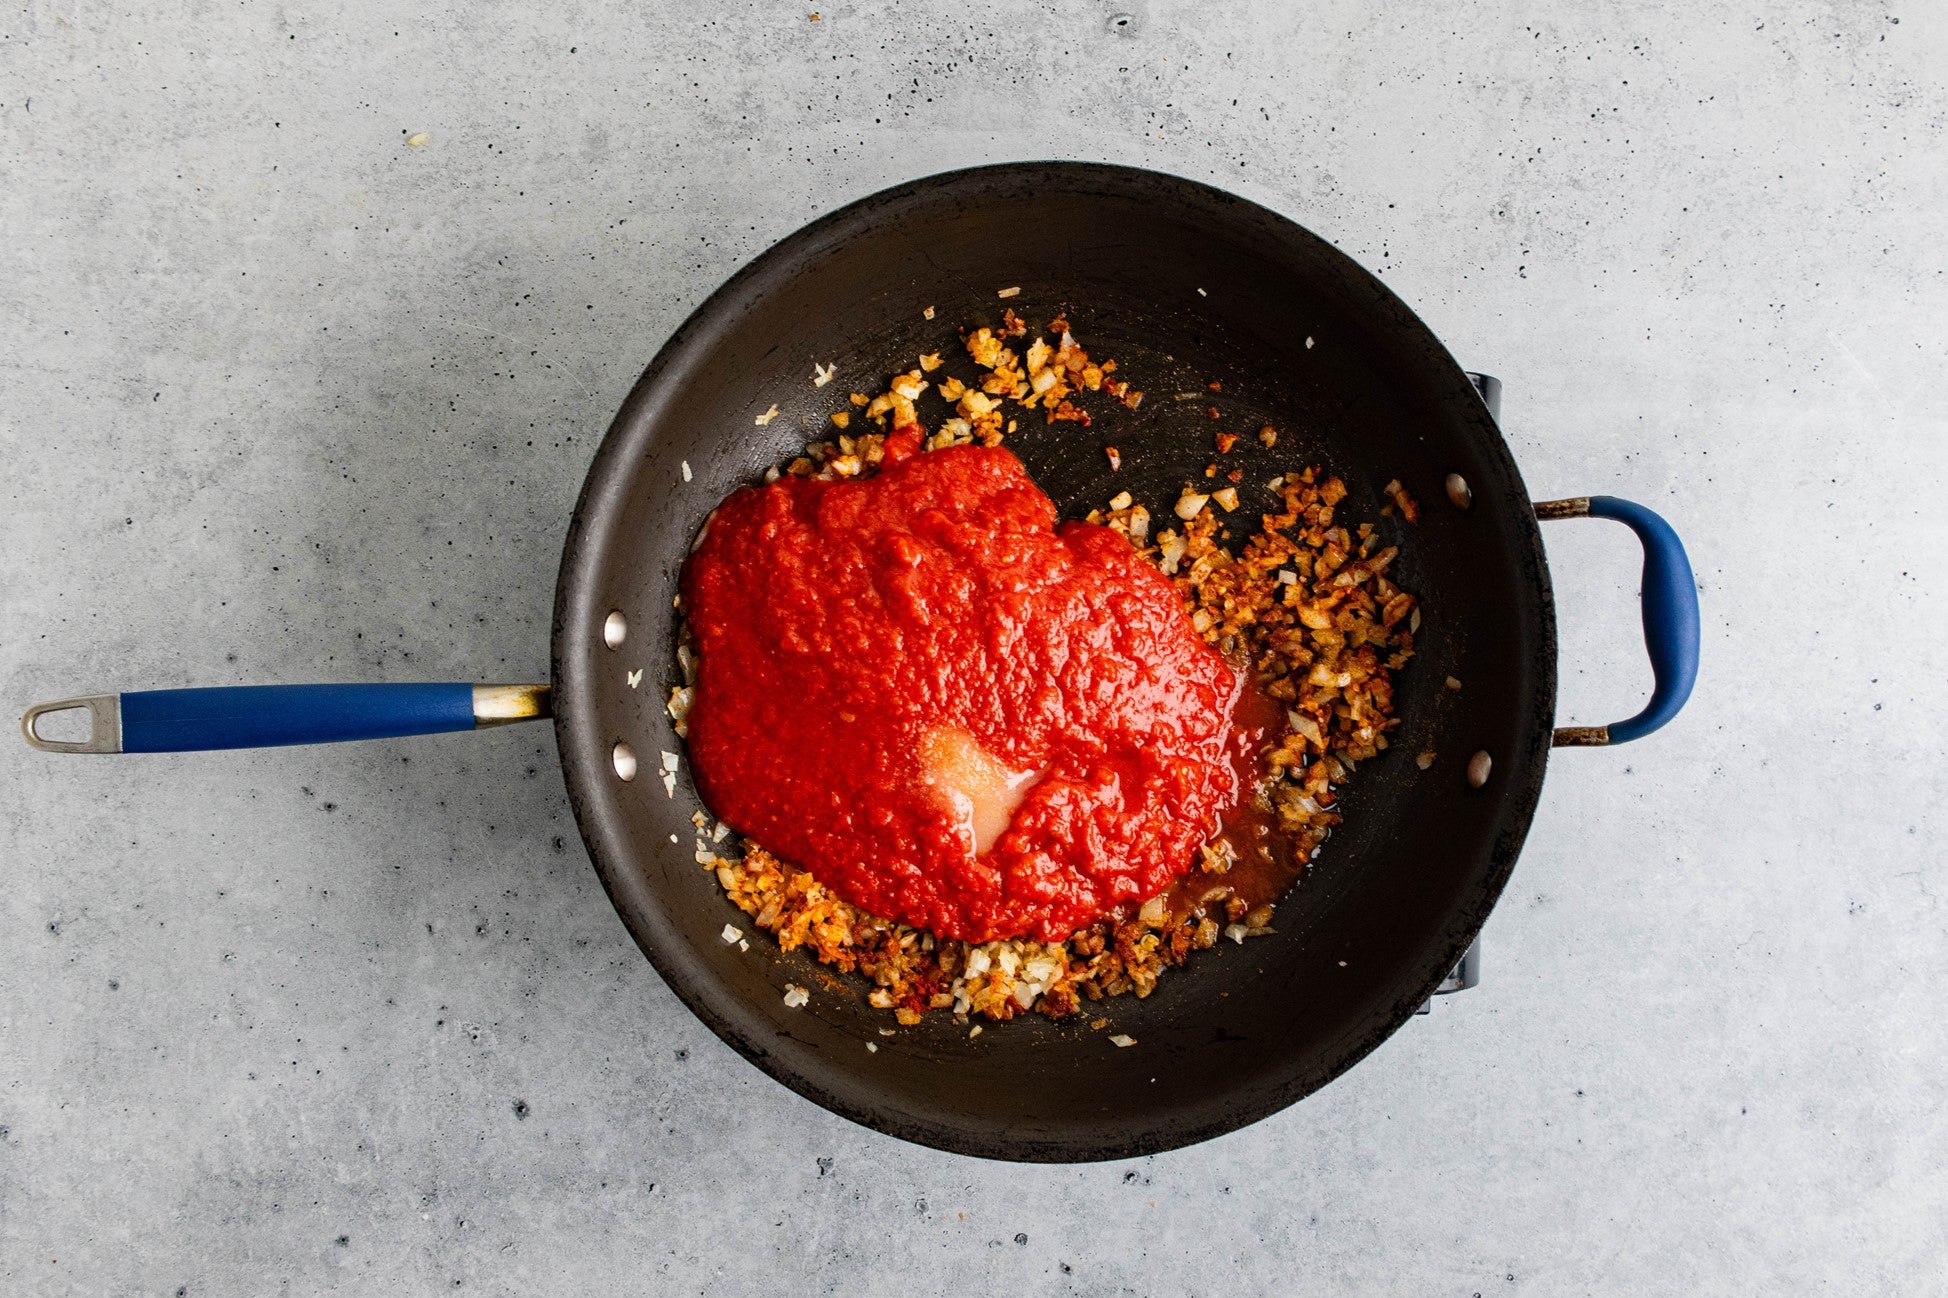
(583,771)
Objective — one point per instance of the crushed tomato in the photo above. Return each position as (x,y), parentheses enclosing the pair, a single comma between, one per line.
(948,710)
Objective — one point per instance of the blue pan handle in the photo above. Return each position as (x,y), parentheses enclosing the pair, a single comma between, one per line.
(266,716)
(1670,611)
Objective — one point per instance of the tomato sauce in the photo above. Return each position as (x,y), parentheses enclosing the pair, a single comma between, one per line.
(1265,862)
(949,710)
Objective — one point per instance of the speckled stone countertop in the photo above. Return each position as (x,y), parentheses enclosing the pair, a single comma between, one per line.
(291,393)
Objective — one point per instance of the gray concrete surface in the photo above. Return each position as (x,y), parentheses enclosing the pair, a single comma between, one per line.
(285,399)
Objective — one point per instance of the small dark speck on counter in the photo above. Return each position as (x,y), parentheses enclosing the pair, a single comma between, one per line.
(1021,1238)
(343,1240)
(521,1109)
(682,1054)
(114,984)
(824,1166)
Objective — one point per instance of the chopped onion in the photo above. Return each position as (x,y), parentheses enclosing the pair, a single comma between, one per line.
(1172,547)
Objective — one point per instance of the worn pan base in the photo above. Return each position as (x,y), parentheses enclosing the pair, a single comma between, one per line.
(1301,338)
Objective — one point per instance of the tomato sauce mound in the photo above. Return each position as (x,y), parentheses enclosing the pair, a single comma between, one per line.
(947,709)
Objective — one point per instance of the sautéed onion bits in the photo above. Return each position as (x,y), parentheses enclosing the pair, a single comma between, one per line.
(1305,607)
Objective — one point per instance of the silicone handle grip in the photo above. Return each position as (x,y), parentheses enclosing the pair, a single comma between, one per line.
(265,716)
(1670,614)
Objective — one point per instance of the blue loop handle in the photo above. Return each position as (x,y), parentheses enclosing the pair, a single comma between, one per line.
(266,716)
(1670,613)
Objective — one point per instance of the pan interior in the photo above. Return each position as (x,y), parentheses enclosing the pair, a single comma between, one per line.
(1183,285)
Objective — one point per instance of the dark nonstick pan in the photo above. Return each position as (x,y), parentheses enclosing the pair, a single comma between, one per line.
(1182,284)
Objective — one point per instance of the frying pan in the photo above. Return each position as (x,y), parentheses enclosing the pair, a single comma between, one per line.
(1183,284)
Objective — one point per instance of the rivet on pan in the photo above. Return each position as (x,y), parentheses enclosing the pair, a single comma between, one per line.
(615,629)
(1478,767)
(1458,491)
(624,758)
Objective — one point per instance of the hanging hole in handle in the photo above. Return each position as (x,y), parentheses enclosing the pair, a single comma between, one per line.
(64,726)
(84,725)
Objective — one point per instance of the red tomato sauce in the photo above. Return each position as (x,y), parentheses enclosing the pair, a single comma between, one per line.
(948,710)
